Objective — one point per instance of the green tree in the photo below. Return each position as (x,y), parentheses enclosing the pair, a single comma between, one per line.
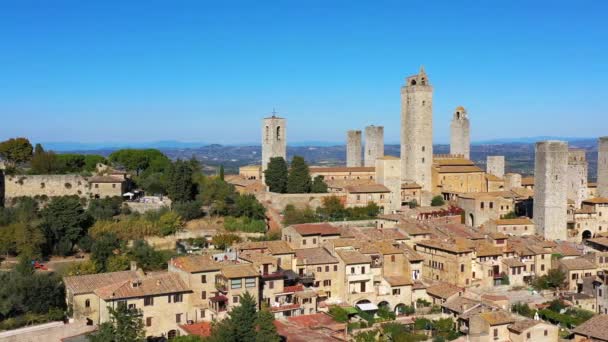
(146,160)
(292,215)
(339,314)
(188,210)
(222,241)
(276,175)
(104,208)
(169,223)
(126,325)
(180,187)
(437,201)
(117,263)
(298,179)
(16,151)
(247,205)
(509,215)
(318,185)
(147,257)
(81,268)
(221,172)
(44,162)
(266,331)
(28,240)
(71,162)
(91,161)
(332,209)
(64,221)
(240,326)
(103,248)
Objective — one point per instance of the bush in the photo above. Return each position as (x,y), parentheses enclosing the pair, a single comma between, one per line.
(437,201)
(244,224)
(339,314)
(188,210)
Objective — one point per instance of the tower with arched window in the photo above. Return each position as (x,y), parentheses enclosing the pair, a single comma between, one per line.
(274,139)
(460,133)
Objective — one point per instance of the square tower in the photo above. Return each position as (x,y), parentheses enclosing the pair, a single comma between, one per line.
(353,148)
(495,165)
(374,144)
(388,173)
(578,190)
(460,133)
(274,139)
(550,189)
(602,167)
(417,130)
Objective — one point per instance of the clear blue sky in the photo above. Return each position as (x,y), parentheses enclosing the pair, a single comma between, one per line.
(94,71)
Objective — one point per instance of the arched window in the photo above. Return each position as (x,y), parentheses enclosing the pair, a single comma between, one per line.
(87,303)
(267,133)
(423,81)
(279,133)
(413,82)
(457,115)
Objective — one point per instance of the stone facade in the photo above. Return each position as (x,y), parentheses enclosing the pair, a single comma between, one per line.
(602,167)
(353,148)
(374,144)
(417,130)
(460,129)
(274,139)
(388,173)
(495,165)
(550,189)
(512,181)
(577,176)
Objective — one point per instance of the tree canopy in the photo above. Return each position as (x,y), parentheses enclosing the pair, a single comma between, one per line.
(298,179)
(16,151)
(275,175)
(126,325)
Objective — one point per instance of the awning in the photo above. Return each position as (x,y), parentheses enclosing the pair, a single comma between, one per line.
(367,307)
(219,299)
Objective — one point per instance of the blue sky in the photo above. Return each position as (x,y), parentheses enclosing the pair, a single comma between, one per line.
(132,71)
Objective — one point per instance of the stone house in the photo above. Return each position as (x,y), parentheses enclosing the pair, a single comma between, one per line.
(443,292)
(362,195)
(446,260)
(532,330)
(481,207)
(517,226)
(595,329)
(490,326)
(309,235)
(319,268)
(576,269)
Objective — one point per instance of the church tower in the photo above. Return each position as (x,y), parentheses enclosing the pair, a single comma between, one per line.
(460,133)
(417,130)
(274,139)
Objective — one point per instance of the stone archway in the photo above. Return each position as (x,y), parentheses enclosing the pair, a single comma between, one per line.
(363,301)
(471,220)
(587,235)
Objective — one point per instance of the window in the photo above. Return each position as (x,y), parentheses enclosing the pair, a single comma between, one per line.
(327,282)
(249,282)
(178,298)
(304,242)
(546,332)
(87,303)
(148,301)
(396,292)
(319,269)
(392,258)
(279,133)
(335,268)
(235,283)
(271,284)
(363,270)
(326,268)
(495,332)
(528,335)
(169,298)
(352,270)
(314,241)
(178,318)
(491,205)
(462,268)
(114,185)
(204,279)
(542,267)
(96,186)
(204,295)
(235,299)
(131,306)
(481,205)
(148,321)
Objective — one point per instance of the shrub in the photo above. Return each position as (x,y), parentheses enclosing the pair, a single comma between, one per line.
(437,201)
(339,314)
(188,210)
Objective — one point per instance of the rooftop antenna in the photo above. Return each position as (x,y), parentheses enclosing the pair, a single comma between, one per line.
(274,113)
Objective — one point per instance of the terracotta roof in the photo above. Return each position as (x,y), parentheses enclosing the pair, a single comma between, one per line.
(88,283)
(514,221)
(315,169)
(239,271)
(274,247)
(443,290)
(257,257)
(449,246)
(602,241)
(459,169)
(366,189)
(319,327)
(353,257)
(166,283)
(460,304)
(200,329)
(413,229)
(314,256)
(527,181)
(398,280)
(577,264)
(596,200)
(306,229)
(523,325)
(487,195)
(596,328)
(485,249)
(498,236)
(411,186)
(497,317)
(196,263)
(512,262)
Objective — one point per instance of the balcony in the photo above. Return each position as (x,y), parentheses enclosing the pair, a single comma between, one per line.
(307,278)
(359,277)
(273,275)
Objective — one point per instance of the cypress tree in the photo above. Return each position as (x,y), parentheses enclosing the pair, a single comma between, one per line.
(276,175)
(180,187)
(266,332)
(298,180)
(318,185)
(222,172)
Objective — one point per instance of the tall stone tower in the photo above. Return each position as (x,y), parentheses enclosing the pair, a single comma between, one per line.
(353,148)
(602,167)
(417,130)
(388,173)
(460,133)
(550,189)
(374,144)
(578,169)
(274,139)
(495,165)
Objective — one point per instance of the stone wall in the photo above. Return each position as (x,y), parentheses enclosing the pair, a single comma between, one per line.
(495,165)
(274,139)
(353,148)
(577,176)
(279,201)
(602,167)
(45,185)
(550,189)
(512,181)
(460,137)
(417,130)
(374,144)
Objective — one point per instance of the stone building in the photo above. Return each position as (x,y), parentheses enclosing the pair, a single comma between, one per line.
(512,181)
(417,130)
(602,167)
(353,148)
(550,189)
(460,138)
(495,165)
(446,260)
(577,176)
(374,144)
(274,139)
(453,174)
(388,173)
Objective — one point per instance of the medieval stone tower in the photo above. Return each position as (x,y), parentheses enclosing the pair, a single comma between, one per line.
(577,176)
(353,148)
(550,189)
(602,167)
(495,165)
(388,173)
(374,144)
(274,139)
(417,130)
(460,133)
